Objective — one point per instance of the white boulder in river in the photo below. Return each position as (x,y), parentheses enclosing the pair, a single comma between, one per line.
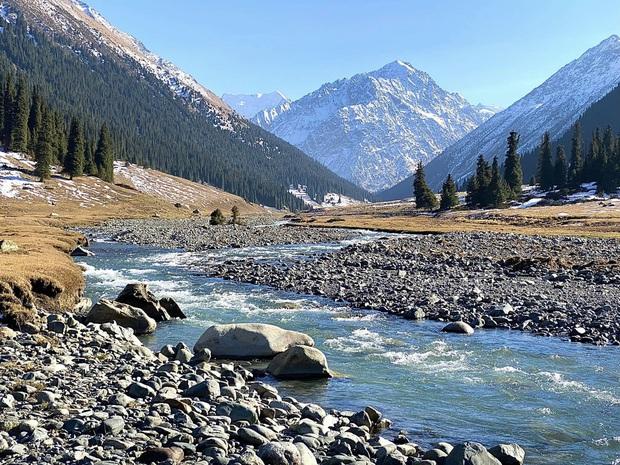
(249,340)
(300,362)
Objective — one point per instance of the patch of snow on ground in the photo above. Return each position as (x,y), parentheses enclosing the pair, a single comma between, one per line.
(330,199)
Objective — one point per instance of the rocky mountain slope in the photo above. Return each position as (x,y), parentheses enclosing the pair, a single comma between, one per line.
(259,108)
(375,127)
(553,106)
(165,118)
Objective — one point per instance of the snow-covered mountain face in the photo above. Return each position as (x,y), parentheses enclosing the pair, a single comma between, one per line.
(251,106)
(375,127)
(78,23)
(553,106)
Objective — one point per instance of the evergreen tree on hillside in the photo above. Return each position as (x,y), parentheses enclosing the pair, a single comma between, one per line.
(560,168)
(545,164)
(424,196)
(35,121)
(449,197)
(104,157)
(21,112)
(513,173)
(478,186)
(90,167)
(44,150)
(74,161)
(9,102)
(498,189)
(576,156)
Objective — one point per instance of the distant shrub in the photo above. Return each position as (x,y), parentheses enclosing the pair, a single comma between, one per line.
(217,217)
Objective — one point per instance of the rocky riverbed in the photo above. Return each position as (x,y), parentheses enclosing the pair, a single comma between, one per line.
(93,394)
(197,234)
(567,287)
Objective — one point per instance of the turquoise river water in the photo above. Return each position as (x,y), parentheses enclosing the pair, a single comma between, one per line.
(559,400)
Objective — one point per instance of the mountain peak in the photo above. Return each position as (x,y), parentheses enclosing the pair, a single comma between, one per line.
(374,128)
(396,69)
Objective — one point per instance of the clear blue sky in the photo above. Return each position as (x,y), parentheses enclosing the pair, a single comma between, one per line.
(492,52)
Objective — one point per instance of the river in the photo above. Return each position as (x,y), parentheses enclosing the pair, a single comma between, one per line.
(559,400)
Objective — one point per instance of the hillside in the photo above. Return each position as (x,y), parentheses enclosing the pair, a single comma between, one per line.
(602,114)
(161,116)
(137,191)
(554,106)
(374,127)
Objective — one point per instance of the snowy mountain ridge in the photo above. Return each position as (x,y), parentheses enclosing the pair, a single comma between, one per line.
(554,106)
(85,26)
(373,128)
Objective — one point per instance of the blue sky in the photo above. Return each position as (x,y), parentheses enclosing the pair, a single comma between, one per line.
(492,52)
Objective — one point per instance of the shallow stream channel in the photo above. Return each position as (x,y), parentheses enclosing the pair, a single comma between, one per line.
(558,400)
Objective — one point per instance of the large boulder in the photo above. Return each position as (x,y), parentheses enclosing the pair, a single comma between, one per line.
(249,340)
(508,454)
(300,362)
(470,453)
(280,453)
(106,311)
(7,246)
(138,295)
(458,327)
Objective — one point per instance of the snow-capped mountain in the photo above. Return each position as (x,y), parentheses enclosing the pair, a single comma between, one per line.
(75,20)
(375,127)
(553,106)
(259,108)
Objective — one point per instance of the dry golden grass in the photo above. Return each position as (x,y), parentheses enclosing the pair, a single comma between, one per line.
(588,219)
(42,273)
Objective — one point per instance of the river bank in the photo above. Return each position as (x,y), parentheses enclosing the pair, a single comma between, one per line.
(196,234)
(65,398)
(566,287)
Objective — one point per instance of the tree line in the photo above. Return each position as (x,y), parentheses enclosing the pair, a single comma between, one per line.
(493,184)
(29,125)
(600,163)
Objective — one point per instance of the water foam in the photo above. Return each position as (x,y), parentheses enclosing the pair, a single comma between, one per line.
(362,340)
(560,385)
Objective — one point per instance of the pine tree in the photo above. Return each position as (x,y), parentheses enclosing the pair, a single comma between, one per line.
(513,173)
(576,157)
(9,102)
(560,168)
(21,113)
(545,164)
(44,150)
(449,198)
(74,161)
(498,190)
(35,120)
(478,186)
(235,214)
(424,196)
(104,158)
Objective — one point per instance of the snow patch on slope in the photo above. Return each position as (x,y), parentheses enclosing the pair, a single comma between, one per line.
(330,199)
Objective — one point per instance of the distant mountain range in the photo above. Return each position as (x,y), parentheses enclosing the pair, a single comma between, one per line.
(553,106)
(261,109)
(165,119)
(374,128)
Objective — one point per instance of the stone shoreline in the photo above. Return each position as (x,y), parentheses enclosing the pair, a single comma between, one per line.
(197,234)
(93,394)
(566,287)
